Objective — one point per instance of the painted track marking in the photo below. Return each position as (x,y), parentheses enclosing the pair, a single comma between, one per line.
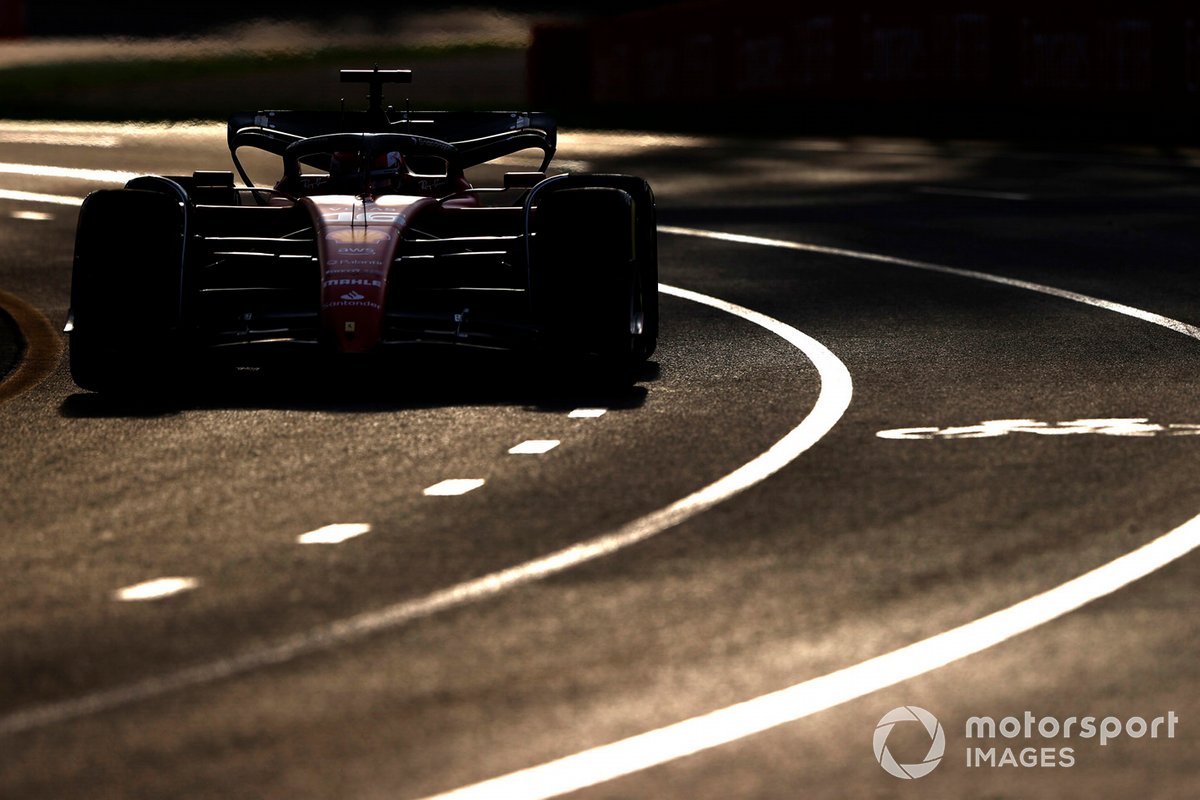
(59,139)
(729,724)
(335,533)
(1130,427)
(834,398)
(1141,562)
(452,487)
(726,725)
(534,447)
(1088,300)
(43,347)
(70,173)
(156,589)
(37,197)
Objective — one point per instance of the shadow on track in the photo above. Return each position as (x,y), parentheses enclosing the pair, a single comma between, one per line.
(378,386)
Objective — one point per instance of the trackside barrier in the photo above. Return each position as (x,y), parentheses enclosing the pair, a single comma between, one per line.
(720,59)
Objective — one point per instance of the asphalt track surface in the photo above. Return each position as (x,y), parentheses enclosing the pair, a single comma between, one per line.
(733,537)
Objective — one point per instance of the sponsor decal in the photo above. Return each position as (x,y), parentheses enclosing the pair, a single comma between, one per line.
(353,304)
(372,282)
(349,268)
(358,236)
(355,216)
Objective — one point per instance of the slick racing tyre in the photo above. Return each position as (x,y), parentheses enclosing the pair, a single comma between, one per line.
(125,289)
(593,276)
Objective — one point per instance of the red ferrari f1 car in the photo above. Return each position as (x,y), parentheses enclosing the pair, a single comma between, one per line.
(372,238)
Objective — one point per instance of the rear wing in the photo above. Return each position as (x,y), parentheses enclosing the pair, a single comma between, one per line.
(478,136)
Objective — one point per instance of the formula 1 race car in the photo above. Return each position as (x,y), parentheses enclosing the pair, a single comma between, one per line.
(372,238)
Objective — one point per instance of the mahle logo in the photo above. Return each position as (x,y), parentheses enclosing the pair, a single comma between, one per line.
(937,746)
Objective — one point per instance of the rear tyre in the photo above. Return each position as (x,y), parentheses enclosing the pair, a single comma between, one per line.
(125,291)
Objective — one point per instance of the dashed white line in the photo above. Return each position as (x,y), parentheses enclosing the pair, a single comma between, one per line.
(587,413)
(334,534)
(726,725)
(534,447)
(835,394)
(453,486)
(155,589)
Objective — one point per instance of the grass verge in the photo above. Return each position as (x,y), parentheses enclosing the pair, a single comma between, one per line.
(210,87)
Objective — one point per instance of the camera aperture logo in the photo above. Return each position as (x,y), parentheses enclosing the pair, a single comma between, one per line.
(937,745)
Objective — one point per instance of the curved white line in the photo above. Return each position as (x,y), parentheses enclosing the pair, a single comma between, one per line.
(1119,308)
(834,397)
(624,757)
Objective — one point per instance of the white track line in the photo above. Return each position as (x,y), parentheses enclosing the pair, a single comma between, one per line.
(96,175)
(156,589)
(35,197)
(831,404)
(624,757)
(534,447)
(58,139)
(72,173)
(1119,308)
(587,413)
(334,534)
(607,762)
(452,487)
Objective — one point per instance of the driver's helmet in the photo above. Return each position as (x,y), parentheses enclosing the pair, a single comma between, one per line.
(386,171)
